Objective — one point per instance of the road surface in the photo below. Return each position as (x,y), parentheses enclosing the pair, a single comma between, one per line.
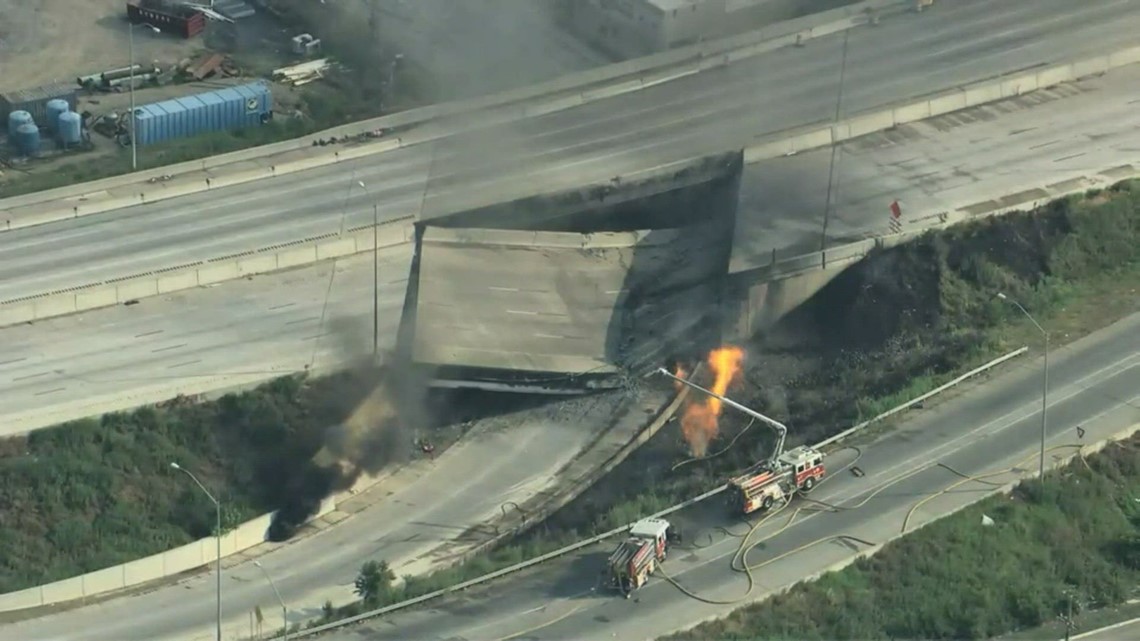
(906,55)
(412,520)
(1047,139)
(1125,630)
(204,339)
(993,426)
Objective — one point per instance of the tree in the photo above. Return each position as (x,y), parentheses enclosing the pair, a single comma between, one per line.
(374,580)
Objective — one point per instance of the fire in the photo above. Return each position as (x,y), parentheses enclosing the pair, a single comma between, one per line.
(699,423)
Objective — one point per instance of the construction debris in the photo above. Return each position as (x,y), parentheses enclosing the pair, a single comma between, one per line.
(306,45)
(304,73)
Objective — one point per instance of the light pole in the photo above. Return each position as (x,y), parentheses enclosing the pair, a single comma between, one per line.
(284,611)
(1044,383)
(217,538)
(375,275)
(131,65)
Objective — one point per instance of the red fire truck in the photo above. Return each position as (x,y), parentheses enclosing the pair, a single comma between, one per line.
(775,481)
(638,555)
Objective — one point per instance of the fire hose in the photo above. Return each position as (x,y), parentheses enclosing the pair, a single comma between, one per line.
(739,558)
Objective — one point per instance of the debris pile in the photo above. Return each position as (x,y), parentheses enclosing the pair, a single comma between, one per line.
(303,73)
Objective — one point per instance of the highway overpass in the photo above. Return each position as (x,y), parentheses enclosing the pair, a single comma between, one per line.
(716,110)
(242,331)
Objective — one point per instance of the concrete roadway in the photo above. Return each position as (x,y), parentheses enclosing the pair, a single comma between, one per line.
(196,341)
(992,426)
(412,520)
(1016,146)
(1125,630)
(904,56)
(204,339)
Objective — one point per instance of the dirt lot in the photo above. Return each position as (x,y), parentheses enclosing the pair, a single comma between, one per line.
(44,41)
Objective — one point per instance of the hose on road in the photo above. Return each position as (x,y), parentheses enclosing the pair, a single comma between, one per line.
(740,563)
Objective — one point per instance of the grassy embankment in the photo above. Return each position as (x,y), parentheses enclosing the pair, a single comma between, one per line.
(906,320)
(1074,540)
(98,492)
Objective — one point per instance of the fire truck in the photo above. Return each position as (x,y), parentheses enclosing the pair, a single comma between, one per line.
(639,554)
(776,480)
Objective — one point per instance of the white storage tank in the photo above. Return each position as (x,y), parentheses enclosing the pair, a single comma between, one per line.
(27,139)
(17,119)
(70,128)
(54,108)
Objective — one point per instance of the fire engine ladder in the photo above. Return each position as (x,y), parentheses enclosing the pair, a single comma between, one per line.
(781,429)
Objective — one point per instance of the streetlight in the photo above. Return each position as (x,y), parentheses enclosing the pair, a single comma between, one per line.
(217,538)
(375,275)
(131,54)
(284,611)
(1044,383)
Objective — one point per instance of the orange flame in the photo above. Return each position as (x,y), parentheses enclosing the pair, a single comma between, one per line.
(700,422)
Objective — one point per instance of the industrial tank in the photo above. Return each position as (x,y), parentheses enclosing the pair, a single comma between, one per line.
(16,119)
(70,128)
(27,139)
(55,107)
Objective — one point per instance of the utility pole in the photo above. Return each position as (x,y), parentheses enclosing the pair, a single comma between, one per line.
(834,144)
(131,118)
(1044,385)
(131,65)
(217,539)
(375,275)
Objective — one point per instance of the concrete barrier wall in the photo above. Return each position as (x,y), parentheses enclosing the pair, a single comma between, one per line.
(972,95)
(219,270)
(152,568)
(95,201)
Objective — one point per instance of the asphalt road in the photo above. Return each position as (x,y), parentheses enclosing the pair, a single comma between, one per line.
(1127,630)
(1034,146)
(414,520)
(196,341)
(904,56)
(205,339)
(992,426)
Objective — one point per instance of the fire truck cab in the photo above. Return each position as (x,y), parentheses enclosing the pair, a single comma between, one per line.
(775,482)
(805,466)
(638,555)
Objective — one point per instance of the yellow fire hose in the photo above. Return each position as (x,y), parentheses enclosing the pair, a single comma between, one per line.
(739,559)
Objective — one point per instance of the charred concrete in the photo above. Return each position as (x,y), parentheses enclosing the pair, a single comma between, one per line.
(575,290)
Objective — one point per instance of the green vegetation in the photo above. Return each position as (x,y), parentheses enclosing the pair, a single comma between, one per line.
(905,319)
(1075,538)
(98,492)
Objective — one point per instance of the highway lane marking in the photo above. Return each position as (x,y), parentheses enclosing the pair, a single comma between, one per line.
(167,349)
(197,360)
(909,468)
(150,333)
(14,360)
(50,391)
(29,376)
(1019,414)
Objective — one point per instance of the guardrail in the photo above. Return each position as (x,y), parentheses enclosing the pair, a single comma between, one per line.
(77,200)
(206,272)
(614,532)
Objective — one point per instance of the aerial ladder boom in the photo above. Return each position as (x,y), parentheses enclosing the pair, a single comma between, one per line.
(780,428)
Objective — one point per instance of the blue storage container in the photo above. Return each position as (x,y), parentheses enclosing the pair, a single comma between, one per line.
(70,128)
(15,120)
(55,107)
(221,110)
(27,140)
